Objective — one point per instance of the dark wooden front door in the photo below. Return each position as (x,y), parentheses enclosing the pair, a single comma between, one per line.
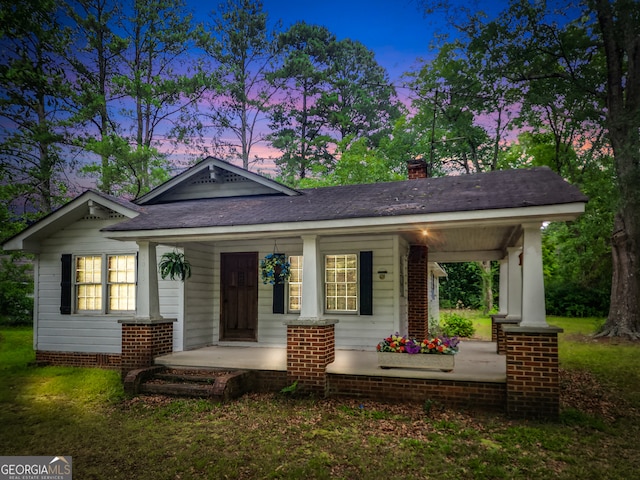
(239,296)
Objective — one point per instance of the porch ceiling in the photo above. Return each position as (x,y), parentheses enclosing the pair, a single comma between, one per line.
(470,243)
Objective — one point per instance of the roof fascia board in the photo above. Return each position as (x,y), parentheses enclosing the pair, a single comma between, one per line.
(399,223)
(207,164)
(72,211)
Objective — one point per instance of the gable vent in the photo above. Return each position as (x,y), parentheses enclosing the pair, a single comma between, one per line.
(217,176)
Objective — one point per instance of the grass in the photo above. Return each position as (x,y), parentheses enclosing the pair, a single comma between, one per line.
(83,413)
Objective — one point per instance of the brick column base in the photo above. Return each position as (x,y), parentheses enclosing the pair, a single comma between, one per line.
(310,348)
(418,292)
(501,340)
(533,389)
(142,341)
(494,325)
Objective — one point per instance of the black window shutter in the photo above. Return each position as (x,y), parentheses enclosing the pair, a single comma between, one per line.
(66,284)
(366,283)
(278,294)
(278,298)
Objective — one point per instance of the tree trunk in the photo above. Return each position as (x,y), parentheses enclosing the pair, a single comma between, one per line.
(621,42)
(624,312)
(486,276)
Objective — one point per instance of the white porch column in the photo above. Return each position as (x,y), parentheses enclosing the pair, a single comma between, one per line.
(312,270)
(514,294)
(533,307)
(147,300)
(504,286)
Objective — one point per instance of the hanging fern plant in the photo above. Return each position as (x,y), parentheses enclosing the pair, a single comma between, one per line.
(175,266)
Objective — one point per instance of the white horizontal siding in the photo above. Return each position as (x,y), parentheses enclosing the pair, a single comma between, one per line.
(352,331)
(215,190)
(75,333)
(365,331)
(200,324)
(171,299)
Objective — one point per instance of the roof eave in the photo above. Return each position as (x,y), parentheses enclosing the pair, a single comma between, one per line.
(382,224)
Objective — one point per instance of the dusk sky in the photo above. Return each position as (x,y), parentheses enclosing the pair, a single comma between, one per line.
(396,30)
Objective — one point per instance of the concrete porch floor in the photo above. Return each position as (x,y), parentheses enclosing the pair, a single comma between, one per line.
(476,362)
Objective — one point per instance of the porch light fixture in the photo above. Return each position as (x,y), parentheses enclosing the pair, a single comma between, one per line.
(382,274)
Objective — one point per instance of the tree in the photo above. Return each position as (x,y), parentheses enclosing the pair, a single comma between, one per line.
(358,164)
(158,80)
(619,29)
(32,103)
(93,56)
(245,53)
(298,121)
(466,108)
(360,102)
(593,52)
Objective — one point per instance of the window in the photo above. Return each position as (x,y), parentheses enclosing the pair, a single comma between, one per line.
(341,283)
(89,283)
(295,283)
(110,277)
(121,282)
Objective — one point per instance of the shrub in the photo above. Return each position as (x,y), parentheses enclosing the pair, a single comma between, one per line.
(455,325)
(573,300)
(16,289)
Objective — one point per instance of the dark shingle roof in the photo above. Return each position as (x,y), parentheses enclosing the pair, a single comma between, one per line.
(483,191)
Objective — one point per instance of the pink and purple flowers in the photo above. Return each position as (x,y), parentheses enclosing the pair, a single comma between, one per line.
(402,344)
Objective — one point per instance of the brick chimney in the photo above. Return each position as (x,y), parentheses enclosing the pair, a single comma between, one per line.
(417,168)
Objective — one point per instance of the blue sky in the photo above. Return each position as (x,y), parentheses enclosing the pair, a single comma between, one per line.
(396,31)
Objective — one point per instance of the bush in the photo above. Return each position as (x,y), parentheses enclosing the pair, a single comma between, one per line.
(573,300)
(16,289)
(455,325)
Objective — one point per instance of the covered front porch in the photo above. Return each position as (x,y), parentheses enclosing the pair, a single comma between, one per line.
(478,382)
(476,361)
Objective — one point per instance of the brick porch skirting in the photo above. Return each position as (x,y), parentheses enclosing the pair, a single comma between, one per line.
(109,361)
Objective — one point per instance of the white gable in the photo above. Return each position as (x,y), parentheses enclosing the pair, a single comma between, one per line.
(90,204)
(214,178)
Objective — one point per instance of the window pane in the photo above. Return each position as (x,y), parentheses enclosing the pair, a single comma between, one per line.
(121,268)
(122,297)
(89,297)
(88,269)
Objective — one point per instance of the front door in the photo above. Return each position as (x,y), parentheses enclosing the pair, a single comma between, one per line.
(239,296)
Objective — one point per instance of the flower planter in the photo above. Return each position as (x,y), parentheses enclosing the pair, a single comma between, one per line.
(418,360)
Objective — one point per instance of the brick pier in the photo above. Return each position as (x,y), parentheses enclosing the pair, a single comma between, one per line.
(418,293)
(310,348)
(533,387)
(143,340)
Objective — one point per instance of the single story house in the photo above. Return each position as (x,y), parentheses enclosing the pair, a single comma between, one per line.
(363,262)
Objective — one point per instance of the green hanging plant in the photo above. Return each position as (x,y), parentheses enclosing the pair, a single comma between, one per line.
(174,266)
(275,269)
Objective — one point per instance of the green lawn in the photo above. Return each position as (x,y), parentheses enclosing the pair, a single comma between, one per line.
(83,413)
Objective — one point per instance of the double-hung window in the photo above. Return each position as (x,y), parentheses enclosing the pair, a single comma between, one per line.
(105,283)
(341,283)
(347,284)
